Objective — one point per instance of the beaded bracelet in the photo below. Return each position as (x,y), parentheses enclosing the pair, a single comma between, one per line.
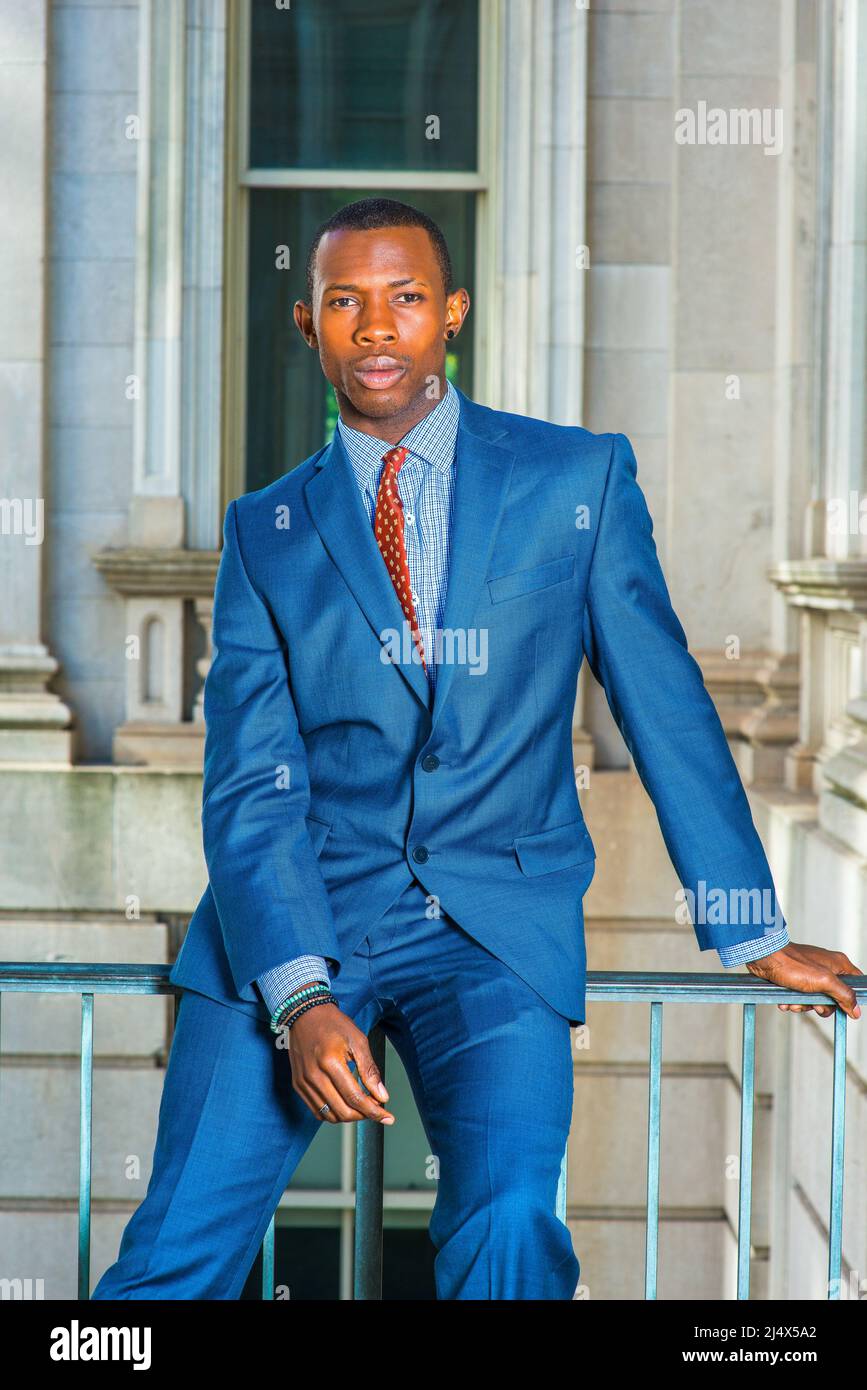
(298,997)
(311,1004)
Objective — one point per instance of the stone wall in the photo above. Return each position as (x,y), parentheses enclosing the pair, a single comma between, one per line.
(718,321)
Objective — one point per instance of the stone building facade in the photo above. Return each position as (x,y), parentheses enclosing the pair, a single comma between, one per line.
(660,209)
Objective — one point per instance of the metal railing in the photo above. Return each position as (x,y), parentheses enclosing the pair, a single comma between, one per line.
(602,986)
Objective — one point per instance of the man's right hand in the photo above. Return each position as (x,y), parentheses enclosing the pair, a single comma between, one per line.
(321,1045)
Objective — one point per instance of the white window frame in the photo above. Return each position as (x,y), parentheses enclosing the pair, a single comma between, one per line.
(241,178)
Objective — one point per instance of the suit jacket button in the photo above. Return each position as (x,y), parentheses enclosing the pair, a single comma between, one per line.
(420,854)
(430,762)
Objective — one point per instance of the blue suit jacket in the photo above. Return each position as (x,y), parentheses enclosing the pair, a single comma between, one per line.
(317,798)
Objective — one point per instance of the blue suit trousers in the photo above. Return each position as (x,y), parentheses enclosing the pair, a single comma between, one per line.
(490,1065)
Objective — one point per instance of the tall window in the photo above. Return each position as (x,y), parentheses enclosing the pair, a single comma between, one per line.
(336,100)
(346,100)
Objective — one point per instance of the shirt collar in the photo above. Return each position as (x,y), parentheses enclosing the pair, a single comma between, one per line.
(432,440)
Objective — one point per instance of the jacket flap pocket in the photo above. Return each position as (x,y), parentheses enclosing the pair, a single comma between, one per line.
(525,581)
(559,848)
(319,832)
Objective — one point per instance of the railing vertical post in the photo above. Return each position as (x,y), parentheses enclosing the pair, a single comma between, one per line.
(268,1263)
(653,1123)
(562,1185)
(85,1145)
(838,1131)
(745,1165)
(348,1149)
(369,1172)
(362,1276)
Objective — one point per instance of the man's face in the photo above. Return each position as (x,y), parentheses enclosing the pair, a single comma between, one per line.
(379,320)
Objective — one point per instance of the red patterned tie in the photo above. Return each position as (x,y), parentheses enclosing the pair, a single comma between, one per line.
(388,528)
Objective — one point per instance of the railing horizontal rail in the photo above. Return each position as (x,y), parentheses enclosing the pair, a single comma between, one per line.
(73,977)
(656,989)
(635,987)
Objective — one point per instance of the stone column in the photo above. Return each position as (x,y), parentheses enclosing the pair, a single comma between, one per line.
(34,723)
(845,396)
(176,502)
(538,206)
(737,471)
(840,770)
(179,274)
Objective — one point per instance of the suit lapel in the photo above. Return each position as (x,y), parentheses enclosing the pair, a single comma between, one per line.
(341,519)
(482,476)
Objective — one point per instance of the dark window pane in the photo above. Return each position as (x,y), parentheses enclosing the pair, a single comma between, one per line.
(343,84)
(291,409)
(408,1265)
(307,1264)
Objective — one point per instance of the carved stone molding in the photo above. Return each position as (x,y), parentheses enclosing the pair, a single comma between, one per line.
(756,697)
(820,582)
(142,570)
(832,744)
(169,600)
(35,724)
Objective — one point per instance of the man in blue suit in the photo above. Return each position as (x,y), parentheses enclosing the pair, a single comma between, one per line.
(390,819)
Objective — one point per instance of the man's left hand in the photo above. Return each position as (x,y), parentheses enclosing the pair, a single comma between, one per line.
(812,970)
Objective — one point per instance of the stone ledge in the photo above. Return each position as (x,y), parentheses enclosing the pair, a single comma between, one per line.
(819,582)
(149,570)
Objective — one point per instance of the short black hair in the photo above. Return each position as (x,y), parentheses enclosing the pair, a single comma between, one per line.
(367,215)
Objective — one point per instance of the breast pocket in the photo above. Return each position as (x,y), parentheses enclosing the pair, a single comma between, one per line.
(528,581)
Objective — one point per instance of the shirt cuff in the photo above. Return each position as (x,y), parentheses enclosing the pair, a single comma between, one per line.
(276,985)
(753,950)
